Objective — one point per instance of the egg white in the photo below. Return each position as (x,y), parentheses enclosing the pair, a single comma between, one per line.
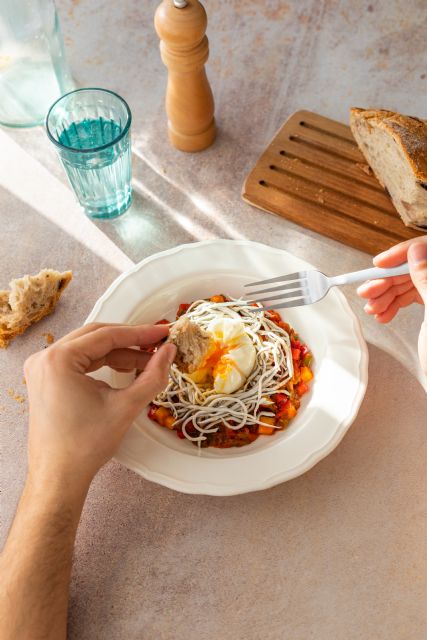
(231,356)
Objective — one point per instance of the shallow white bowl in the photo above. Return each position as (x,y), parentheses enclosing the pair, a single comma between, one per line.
(155,287)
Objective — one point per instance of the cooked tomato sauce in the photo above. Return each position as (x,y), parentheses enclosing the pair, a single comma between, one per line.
(285,407)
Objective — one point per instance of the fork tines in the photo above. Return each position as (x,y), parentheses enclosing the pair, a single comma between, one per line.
(298,275)
(293,292)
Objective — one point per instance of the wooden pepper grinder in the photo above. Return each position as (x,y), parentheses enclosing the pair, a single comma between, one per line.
(181,26)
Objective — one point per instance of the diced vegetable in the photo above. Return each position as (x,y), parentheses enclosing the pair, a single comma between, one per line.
(217,299)
(291,411)
(152,412)
(283,422)
(163,321)
(180,434)
(268,420)
(280,397)
(296,353)
(301,388)
(282,410)
(183,308)
(169,421)
(265,431)
(273,315)
(306,374)
(307,360)
(161,413)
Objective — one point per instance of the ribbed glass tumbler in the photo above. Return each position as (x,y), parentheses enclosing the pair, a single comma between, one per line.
(91,130)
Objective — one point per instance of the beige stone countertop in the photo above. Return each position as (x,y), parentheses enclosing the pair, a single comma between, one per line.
(339,553)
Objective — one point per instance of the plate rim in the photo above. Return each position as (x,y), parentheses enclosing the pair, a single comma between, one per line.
(308,463)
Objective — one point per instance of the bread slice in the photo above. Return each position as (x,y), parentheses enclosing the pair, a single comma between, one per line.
(395,147)
(192,344)
(29,299)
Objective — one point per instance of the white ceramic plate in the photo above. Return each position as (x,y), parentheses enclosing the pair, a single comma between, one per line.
(154,288)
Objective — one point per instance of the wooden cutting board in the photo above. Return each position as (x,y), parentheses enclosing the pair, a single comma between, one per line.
(314,174)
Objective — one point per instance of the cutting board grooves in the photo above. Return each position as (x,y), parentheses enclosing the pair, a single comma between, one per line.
(321,183)
(336,212)
(314,174)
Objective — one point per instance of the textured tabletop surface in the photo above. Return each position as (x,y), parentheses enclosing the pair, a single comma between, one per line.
(339,553)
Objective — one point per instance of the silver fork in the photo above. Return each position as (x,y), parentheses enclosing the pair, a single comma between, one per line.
(307,287)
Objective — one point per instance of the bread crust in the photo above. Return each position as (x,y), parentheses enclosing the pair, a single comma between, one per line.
(12,327)
(410,134)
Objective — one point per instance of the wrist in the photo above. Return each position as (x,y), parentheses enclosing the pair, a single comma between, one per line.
(53,485)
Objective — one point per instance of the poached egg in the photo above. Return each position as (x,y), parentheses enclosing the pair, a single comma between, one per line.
(230,358)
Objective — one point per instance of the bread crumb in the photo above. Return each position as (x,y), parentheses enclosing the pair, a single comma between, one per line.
(15,396)
(320,197)
(50,338)
(364,167)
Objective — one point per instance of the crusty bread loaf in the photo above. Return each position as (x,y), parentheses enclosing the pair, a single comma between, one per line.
(192,344)
(395,147)
(29,299)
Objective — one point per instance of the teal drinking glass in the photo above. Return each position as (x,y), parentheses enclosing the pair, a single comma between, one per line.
(91,130)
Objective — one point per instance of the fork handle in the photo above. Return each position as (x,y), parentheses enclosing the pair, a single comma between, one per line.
(369,274)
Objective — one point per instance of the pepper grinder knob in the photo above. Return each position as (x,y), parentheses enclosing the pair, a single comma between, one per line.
(184,48)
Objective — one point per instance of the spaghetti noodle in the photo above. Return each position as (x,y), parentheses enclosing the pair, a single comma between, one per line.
(206,417)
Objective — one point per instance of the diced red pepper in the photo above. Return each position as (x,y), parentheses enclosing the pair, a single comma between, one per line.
(163,321)
(183,308)
(301,388)
(279,398)
(152,412)
(282,409)
(296,354)
(180,434)
(273,315)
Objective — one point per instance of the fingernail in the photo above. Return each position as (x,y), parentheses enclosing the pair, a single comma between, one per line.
(418,252)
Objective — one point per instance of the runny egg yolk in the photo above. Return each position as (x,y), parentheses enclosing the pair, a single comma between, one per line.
(230,358)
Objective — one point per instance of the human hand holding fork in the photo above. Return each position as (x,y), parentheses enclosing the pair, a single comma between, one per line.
(398,279)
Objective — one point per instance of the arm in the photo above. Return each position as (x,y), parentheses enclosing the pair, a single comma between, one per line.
(385,297)
(76,424)
(36,561)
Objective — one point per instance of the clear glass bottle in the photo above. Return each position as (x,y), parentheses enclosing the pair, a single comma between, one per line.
(33,70)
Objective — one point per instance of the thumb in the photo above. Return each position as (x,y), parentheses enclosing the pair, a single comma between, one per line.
(417,259)
(152,380)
